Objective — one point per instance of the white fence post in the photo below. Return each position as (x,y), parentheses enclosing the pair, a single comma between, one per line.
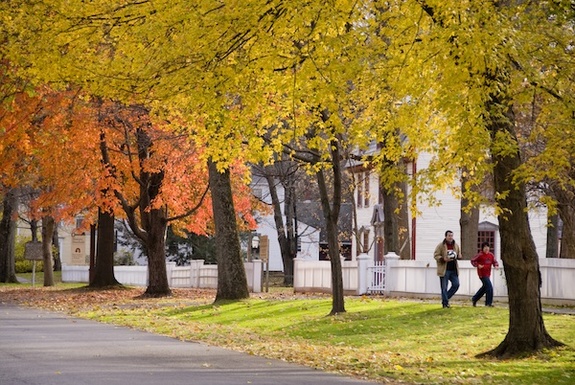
(196,265)
(362,273)
(169,269)
(256,275)
(298,274)
(390,281)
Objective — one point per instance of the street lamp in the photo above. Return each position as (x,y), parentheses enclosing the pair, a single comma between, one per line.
(255,245)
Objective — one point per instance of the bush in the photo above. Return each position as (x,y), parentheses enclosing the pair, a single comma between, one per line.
(23,265)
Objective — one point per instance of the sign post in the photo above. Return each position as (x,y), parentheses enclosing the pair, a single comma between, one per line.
(264,256)
(33,252)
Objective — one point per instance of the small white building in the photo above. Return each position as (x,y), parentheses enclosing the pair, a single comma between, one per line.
(308,236)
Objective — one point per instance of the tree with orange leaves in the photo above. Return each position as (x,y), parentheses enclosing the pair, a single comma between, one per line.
(101,156)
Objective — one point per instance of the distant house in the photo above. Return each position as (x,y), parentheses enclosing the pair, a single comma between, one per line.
(311,213)
(427,229)
(307,229)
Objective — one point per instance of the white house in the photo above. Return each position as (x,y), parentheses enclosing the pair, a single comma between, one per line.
(427,229)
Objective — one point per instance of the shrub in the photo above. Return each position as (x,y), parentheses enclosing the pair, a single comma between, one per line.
(23,265)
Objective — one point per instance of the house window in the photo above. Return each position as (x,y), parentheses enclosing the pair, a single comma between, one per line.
(359,199)
(486,236)
(366,192)
(363,189)
(366,241)
(362,240)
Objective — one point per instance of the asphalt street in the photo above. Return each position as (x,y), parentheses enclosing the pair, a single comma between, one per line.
(44,348)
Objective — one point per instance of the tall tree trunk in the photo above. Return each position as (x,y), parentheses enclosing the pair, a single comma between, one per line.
(48,226)
(158,284)
(331,215)
(34,230)
(396,222)
(469,225)
(396,214)
(390,221)
(527,331)
(56,243)
(291,230)
(403,229)
(8,237)
(552,248)
(281,228)
(232,281)
(567,215)
(104,268)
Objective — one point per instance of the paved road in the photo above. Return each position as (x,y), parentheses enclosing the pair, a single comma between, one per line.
(44,348)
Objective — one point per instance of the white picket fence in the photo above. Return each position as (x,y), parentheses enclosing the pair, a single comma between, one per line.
(376,277)
(419,278)
(362,276)
(197,275)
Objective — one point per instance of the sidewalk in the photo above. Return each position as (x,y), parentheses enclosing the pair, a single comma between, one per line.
(44,348)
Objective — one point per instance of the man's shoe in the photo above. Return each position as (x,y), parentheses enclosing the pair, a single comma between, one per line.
(489,305)
(446,305)
(474,302)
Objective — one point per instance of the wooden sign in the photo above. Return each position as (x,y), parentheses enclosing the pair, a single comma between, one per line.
(33,251)
(264,248)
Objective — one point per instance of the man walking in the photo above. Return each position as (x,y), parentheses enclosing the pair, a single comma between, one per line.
(446,254)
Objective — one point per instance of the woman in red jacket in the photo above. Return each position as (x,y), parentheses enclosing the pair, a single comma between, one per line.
(483,261)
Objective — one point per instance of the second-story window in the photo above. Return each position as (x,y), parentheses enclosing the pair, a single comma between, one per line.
(363,194)
(359,199)
(366,194)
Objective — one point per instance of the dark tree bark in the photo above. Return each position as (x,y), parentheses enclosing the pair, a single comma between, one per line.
(469,225)
(566,211)
(34,230)
(104,267)
(390,222)
(153,221)
(155,246)
(232,281)
(331,208)
(282,229)
(292,233)
(396,222)
(56,243)
(404,223)
(552,246)
(48,226)
(8,237)
(283,173)
(527,331)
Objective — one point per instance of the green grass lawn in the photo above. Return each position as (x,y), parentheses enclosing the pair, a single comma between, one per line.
(38,277)
(378,339)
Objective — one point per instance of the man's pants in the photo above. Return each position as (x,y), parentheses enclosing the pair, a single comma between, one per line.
(450,276)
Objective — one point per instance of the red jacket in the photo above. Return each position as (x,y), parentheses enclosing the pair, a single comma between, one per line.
(485,259)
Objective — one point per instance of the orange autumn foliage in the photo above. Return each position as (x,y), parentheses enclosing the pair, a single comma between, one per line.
(52,140)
